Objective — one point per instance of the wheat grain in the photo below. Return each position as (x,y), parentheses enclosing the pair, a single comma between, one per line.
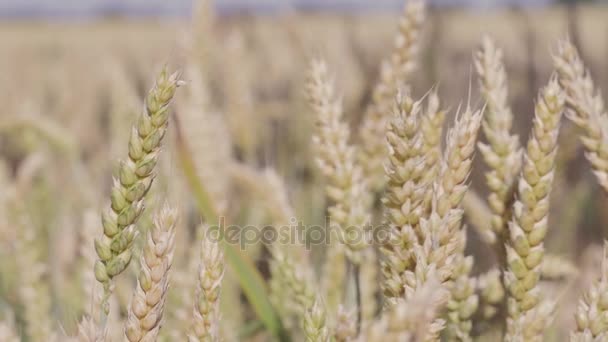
(528,226)
(431,126)
(147,305)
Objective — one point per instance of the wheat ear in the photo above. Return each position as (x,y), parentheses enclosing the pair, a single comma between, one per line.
(451,184)
(449,191)
(404,200)
(394,72)
(345,329)
(147,305)
(491,292)
(213,137)
(135,177)
(585,107)
(592,312)
(442,238)
(206,313)
(336,160)
(413,319)
(294,279)
(502,153)
(315,323)
(33,292)
(529,224)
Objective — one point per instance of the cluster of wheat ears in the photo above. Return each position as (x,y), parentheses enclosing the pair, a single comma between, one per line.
(416,284)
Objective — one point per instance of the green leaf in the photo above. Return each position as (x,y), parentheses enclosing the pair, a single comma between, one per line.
(249,277)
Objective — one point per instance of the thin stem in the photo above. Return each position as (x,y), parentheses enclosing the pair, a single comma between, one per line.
(356,274)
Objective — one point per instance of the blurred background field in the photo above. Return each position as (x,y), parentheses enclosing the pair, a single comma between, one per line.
(69,86)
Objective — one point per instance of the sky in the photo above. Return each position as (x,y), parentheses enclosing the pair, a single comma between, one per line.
(182,7)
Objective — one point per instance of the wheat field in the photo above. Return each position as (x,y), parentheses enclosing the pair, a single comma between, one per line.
(427,175)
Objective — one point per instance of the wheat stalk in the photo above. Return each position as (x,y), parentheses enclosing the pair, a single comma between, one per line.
(585,107)
(333,276)
(147,305)
(369,285)
(394,72)
(528,226)
(135,177)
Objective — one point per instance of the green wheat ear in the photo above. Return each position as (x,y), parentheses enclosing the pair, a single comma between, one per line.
(135,177)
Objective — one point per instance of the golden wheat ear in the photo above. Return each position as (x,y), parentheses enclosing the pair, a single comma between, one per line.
(395,72)
(147,305)
(585,107)
(502,152)
(206,313)
(528,315)
(335,157)
(592,308)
